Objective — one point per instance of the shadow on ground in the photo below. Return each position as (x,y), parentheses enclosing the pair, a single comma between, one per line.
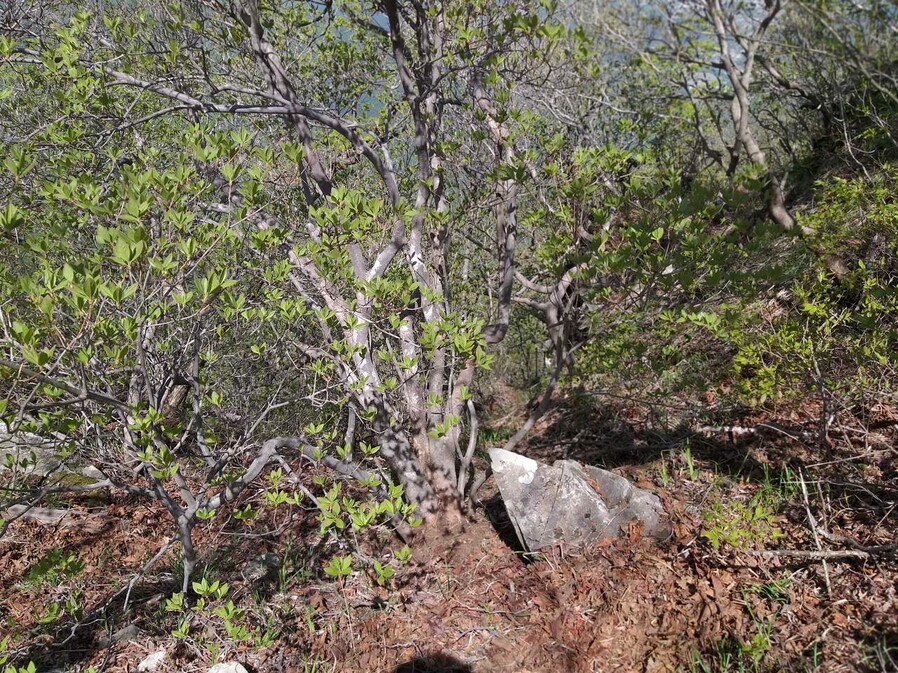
(434,663)
(882,648)
(93,625)
(72,641)
(850,484)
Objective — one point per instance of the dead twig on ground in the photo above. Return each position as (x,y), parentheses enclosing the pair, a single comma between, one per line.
(828,555)
(64,518)
(813,523)
(797,434)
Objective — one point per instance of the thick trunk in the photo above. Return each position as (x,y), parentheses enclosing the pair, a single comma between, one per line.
(438,458)
(188,557)
(424,466)
(427,472)
(399,454)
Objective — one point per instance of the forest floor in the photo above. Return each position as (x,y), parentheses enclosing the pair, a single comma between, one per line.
(773,565)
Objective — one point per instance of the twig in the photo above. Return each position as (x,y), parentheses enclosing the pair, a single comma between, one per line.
(91,523)
(872,549)
(825,555)
(472,445)
(813,522)
(739,431)
(80,394)
(143,571)
(859,456)
(479,481)
(349,437)
(19,510)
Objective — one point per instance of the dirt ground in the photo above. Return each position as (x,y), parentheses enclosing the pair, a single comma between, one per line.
(803,578)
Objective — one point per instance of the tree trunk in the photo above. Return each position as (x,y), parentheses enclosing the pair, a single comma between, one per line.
(438,457)
(426,469)
(403,461)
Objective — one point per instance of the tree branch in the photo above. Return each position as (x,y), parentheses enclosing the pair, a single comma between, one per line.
(80,394)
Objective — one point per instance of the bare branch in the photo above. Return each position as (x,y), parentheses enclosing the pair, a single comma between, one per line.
(80,394)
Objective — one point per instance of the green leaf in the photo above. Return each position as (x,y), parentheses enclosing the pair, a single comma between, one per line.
(11,217)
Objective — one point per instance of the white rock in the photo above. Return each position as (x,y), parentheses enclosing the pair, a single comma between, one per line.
(228,667)
(571,503)
(508,461)
(152,662)
(34,454)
